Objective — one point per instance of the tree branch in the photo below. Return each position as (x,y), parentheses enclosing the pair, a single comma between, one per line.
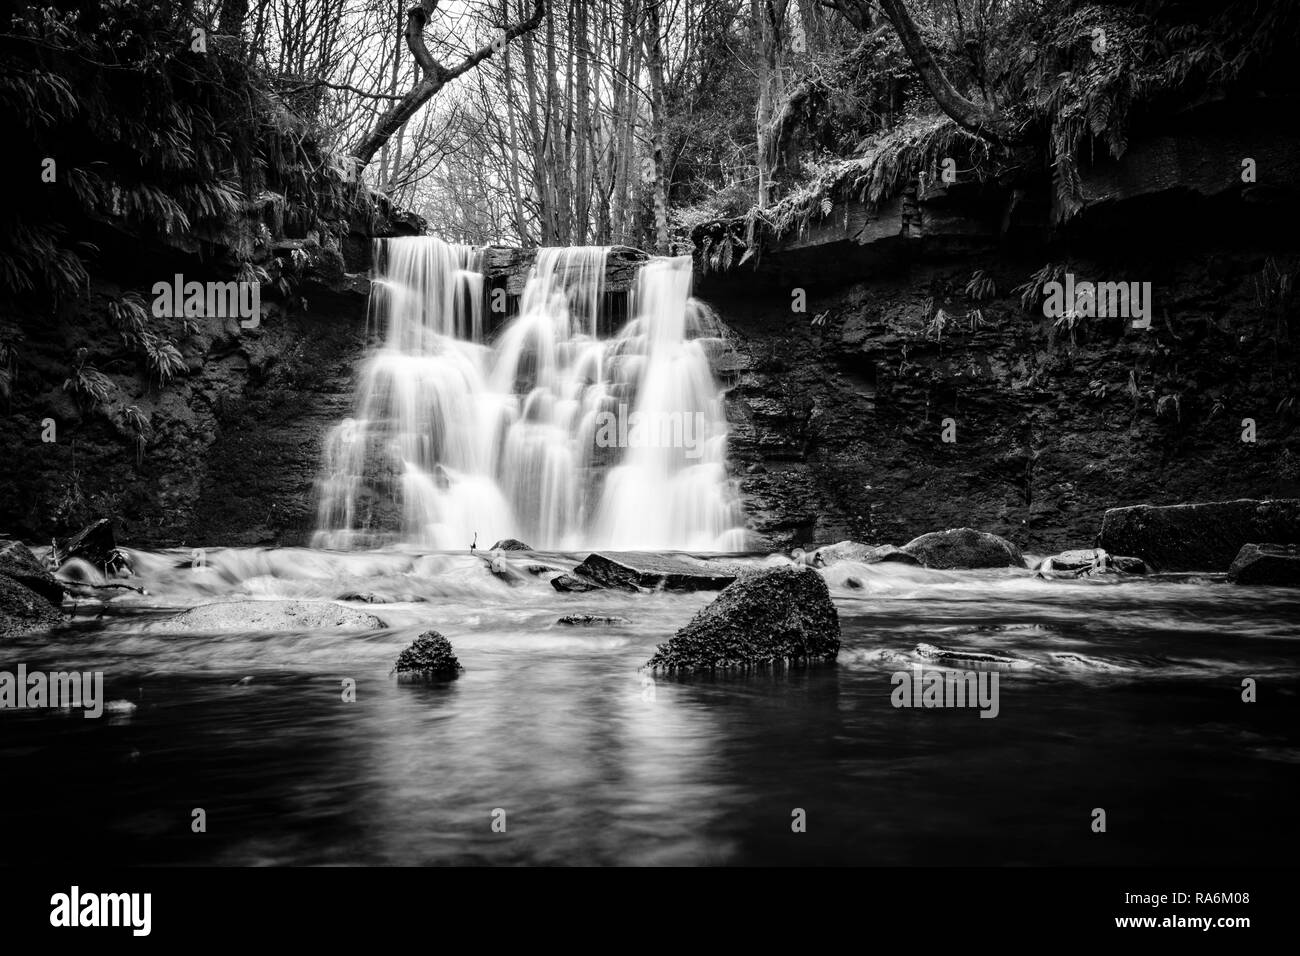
(434,76)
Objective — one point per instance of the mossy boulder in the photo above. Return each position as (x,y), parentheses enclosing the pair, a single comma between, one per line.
(964,549)
(19,564)
(430,657)
(22,610)
(771,617)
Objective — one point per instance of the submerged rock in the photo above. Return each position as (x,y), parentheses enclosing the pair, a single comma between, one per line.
(636,570)
(1270,564)
(952,657)
(590,620)
(19,564)
(273,616)
(861,554)
(964,549)
(780,615)
(510,544)
(429,656)
(22,610)
(1198,537)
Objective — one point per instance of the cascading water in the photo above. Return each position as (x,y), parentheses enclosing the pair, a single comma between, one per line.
(549,434)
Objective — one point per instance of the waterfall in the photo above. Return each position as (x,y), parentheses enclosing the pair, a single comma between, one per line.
(546,432)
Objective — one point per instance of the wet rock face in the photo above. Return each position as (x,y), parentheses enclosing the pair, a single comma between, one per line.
(1277,565)
(510,544)
(22,610)
(771,617)
(964,549)
(836,426)
(430,656)
(1199,537)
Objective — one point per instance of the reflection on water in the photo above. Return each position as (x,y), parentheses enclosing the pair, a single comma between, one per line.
(1132,703)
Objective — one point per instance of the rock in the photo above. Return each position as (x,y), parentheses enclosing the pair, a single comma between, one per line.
(273,616)
(1091,558)
(962,549)
(590,620)
(573,583)
(780,615)
(1198,537)
(19,564)
(22,610)
(1273,564)
(635,570)
(95,544)
(860,553)
(429,656)
(510,544)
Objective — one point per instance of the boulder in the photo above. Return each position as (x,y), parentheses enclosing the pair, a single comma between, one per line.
(429,656)
(19,564)
(637,570)
(860,553)
(1274,564)
(22,610)
(510,544)
(963,549)
(1198,537)
(780,615)
(273,616)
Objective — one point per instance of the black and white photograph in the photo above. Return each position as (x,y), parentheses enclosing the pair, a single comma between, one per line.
(708,435)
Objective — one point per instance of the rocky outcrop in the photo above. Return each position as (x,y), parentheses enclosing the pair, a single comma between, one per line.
(429,657)
(1270,564)
(22,610)
(639,570)
(964,549)
(590,620)
(771,617)
(272,616)
(1198,537)
(19,564)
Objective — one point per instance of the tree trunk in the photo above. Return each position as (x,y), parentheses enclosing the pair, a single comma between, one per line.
(655,65)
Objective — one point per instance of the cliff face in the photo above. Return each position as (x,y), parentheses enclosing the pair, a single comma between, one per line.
(233,440)
(918,327)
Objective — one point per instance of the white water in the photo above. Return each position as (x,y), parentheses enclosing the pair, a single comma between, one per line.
(548,433)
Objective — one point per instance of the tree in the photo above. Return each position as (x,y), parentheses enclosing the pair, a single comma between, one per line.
(982,119)
(433,75)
